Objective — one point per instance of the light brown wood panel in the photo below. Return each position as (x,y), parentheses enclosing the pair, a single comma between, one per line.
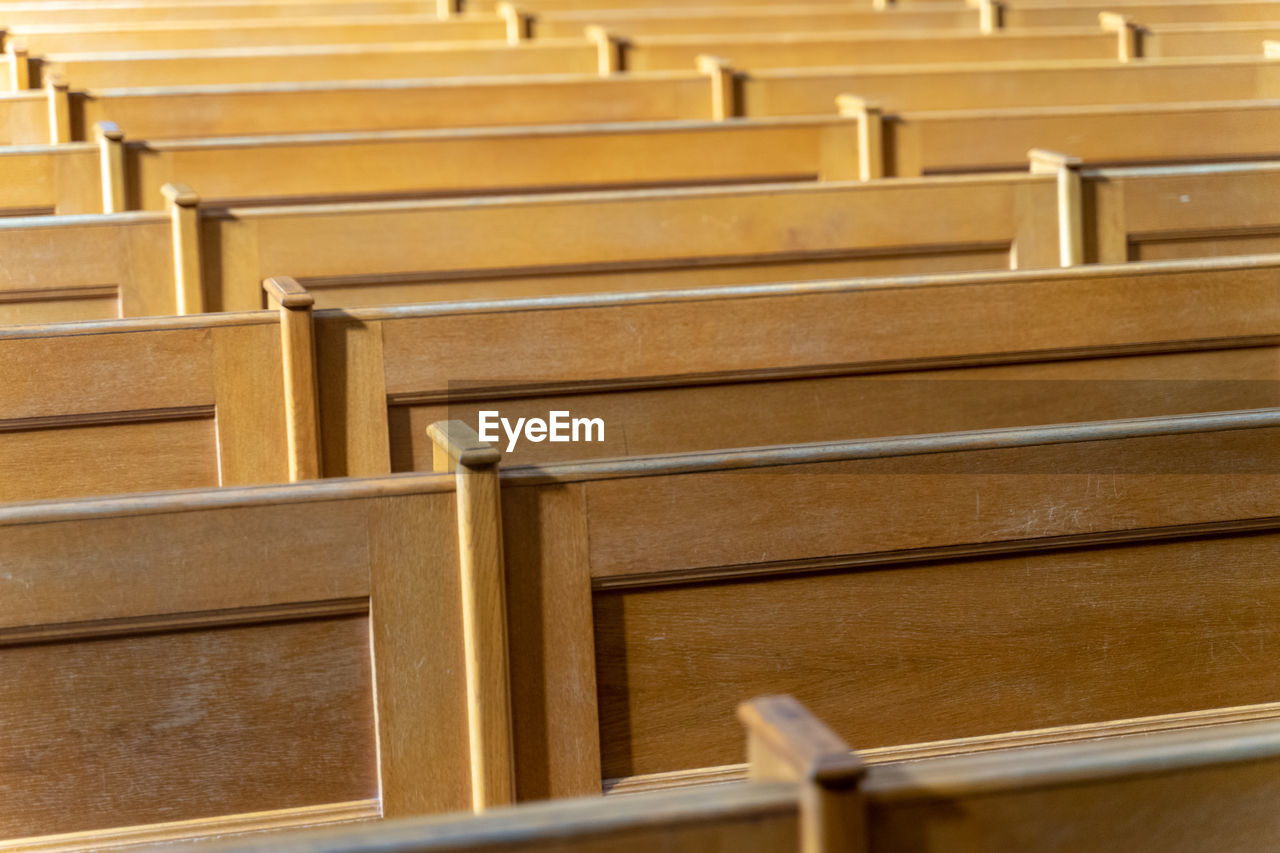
(24,118)
(175,113)
(951,19)
(1172,212)
(103,459)
(1070,14)
(262,170)
(68,14)
(187,725)
(51,264)
(1003,85)
(929,651)
(793,49)
(352,399)
(217,66)
(204,662)
(43,34)
(714,368)
(590,233)
(121,406)
(987,140)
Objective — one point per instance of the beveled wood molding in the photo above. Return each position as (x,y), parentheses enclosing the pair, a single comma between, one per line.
(167,622)
(881,448)
(179,413)
(969,551)
(195,500)
(144,836)
(730,773)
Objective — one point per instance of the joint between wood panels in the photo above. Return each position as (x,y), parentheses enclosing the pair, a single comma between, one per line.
(194,620)
(973,551)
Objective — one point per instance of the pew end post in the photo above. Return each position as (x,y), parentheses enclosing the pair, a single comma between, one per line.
(786,743)
(184,214)
(610,50)
(1128,34)
(1070,207)
(59,100)
(448,8)
(457,448)
(19,59)
(990,15)
(519,22)
(870,116)
(724,90)
(301,391)
(1270,49)
(110,139)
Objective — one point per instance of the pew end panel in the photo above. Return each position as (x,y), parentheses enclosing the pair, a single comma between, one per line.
(129,406)
(200,663)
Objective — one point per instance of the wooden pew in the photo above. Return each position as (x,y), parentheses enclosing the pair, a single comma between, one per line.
(190,260)
(76,13)
(928,594)
(139,405)
(879,357)
(311,63)
(198,664)
(254,32)
(565,17)
(44,179)
(1179,212)
(365,166)
(710,92)
(957,141)
(1000,85)
(1180,790)
(827,49)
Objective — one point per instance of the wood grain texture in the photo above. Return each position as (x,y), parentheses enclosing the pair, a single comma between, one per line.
(252,433)
(352,399)
(553,679)
(418,655)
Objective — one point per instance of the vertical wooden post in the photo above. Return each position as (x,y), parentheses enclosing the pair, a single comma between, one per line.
(609,50)
(881,5)
(1128,34)
(110,139)
(724,100)
(785,743)
(519,22)
(990,16)
(184,213)
(19,66)
(448,8)
(59,108)
(456,447)
(1070,207)
(870,134)
(1270,49)
(298,348)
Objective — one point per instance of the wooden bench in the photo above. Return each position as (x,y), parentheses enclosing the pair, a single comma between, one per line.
(568,17)
(175,403)
(199,664)
(255,32)
(189,260)
(22,14)
(879,357)
(957,141)
(311,63)
(926,594)
(43,179)
(809,792)
(711,92)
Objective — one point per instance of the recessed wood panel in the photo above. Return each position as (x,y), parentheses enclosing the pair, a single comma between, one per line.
(106,459)
(934,651)
(166,727)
